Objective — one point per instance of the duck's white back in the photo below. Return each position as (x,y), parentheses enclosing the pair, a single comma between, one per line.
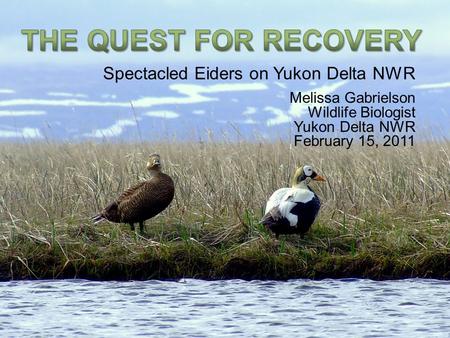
(275,199)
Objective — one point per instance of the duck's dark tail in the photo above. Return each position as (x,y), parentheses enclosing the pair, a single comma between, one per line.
(110,213)
(98,218)
(269,222)
(276,223)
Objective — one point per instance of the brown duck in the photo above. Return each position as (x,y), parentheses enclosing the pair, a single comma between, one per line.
(142,201)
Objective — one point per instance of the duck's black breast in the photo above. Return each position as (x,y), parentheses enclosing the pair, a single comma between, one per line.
(306,213)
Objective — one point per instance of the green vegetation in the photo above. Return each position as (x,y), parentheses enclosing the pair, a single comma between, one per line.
(385,214)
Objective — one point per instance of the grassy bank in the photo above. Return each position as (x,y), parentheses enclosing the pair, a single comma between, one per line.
(385,212)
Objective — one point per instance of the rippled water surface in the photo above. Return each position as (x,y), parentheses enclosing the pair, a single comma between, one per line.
(203,308)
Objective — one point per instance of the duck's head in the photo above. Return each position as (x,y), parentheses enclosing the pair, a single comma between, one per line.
(154,162)
(304,175)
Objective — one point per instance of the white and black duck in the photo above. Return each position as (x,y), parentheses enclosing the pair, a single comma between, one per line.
(293,210)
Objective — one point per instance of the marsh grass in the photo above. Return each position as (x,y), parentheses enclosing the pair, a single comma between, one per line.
(385,212)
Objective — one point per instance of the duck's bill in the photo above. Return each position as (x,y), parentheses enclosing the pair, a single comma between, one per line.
(319,178)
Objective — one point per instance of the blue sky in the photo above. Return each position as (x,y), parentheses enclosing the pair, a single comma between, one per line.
(431,16)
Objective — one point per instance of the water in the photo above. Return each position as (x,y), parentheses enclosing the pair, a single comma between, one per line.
(356,308)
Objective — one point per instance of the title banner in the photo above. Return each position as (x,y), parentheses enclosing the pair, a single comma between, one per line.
(222,40)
